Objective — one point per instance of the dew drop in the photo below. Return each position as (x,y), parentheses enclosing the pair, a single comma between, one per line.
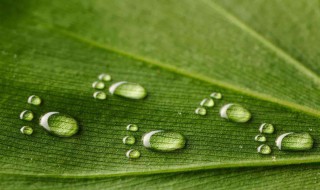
(294,141)
(207,102)
(105,77)
(201,111)
(133,154)
(264,149)
(266,128)
(235,113)
(128,90)
(164,141)
(132,127)
(26,130)
(129,140)
(100,95)
(59,124)
(98,85)
(260,138)
(216,95)
(34,100)
(26,115)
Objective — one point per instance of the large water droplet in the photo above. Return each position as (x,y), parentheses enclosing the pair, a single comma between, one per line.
(100,95)
(207,102)
(216,95)
(59,124)
(264,149)
(132,127)
(201,111)
(98,85)
(128,90)
(260,138)
(35,100)
(133,154)
(26,115)
(164,141)
(129,140)
(235,113)
(105,77)
(26,130)
(294,141)
(266,128)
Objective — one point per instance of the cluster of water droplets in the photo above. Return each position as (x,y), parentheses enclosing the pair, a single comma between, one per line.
(265,128)
(208,103)
(27,115)
(131,140)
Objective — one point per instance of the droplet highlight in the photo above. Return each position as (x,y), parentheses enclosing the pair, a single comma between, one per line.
(26,130)
(207,102)
(216,95)
(128,90)
(264,149)
(133,154)
(235,113)
(260,138)
(98,85)
(201,111)
(129,140)
(132,127)
(266,128)
(100,95)
(294,141)
(26,115)
(105,77)
(34,100)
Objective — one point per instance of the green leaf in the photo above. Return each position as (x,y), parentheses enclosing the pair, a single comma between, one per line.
(180,51)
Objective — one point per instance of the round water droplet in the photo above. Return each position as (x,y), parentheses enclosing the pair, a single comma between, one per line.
(98,85)
(26,115)
(201,111)
(35,100)
(260,138)
(133,154)
(264,149)
(235,113)
(207,102)
(132,127)
(266,128)
(164,141)
(105,77)
(59,124)
(216,95)
(294,141)
(100,95)
(129,140)
(26,130)
(128,90)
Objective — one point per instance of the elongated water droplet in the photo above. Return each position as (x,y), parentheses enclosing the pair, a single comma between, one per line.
(26,115)
(207,102)
(105,77)
(164,141)
(132,127)
(133,154)
(266,128)
(26,130)
(235,113)
(264,149)
(35,100)
(260,138)
(128,90)
(294,141)
(216,95)
(100,95)
(129,140)
(201,111)
(98,85)
(59,124)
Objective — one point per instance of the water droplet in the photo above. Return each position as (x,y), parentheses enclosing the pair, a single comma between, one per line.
(59,124)
(216,95)
(98,85)
(35,100)
(26,115)
(201,111)
(294,141)
(260,138)
(164,141)
(132,127)
(266,128)
(100,95)
(235,113)
(129,140)
(133,154)
(128,90)
(264,149)
(26,130)
(207,102)
(105,77)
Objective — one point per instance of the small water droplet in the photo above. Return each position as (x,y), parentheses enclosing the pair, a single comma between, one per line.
(133,154)
(164,141)
(132,127)
(128,90)
(207,102)
(26,115)
(100,95)
(260,138)
(235,113)
(26,130)
(34,100)
(201,111)
(266,128)
(240,146)
(216,95)
(294,141)
(129,140)
(264,149)
(105,77)
(98,85)
(59,124)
